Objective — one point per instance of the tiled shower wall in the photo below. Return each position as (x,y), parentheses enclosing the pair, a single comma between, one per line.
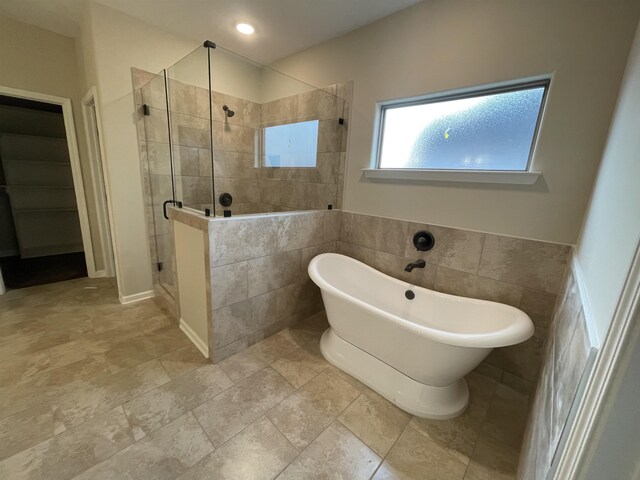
(527,274)
(566,355)
(259,280)
(254,189)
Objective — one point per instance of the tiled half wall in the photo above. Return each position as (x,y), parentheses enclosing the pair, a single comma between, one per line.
(527,274)
(258,282)
(566,357)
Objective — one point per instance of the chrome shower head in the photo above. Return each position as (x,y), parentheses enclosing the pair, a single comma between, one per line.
(230,113)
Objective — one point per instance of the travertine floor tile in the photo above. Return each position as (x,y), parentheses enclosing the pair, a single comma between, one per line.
(335,454)
(78,364)
(164,454)
(27,428)
(159,406)
(300,366)
(458,436)
(226,414)
(306,413)
(507,417)
(492,460)
(70,453)
(414,456)
(183,360)
(241,365)
(86,399)
(376,421)
(259,452)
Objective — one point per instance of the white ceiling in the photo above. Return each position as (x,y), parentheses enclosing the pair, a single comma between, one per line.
(282,27)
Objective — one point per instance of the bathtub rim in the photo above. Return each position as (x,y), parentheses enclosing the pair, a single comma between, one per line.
(513,334)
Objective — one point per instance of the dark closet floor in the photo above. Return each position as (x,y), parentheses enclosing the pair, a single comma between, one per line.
(27,272)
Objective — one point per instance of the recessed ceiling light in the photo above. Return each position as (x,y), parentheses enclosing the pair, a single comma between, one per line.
(245,28)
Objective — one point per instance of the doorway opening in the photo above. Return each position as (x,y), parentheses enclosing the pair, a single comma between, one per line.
(44,226)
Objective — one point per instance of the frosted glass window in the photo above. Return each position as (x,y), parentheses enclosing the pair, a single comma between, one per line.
(487,130)
(291,145)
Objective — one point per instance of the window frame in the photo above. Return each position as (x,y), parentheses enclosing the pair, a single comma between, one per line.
(474,175)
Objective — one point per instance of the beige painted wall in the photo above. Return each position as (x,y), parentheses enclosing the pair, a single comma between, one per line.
(112,43)
(447,44)
(192,283)
(611,230)
(41,61)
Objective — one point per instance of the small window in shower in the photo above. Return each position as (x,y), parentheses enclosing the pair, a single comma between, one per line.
(291,145)
(487,129)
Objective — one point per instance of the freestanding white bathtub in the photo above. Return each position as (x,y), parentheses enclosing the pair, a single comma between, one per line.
(413,352)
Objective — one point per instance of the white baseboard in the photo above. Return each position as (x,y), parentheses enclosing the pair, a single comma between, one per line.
(98,274)
(197,341)
(136,297)
(586,305)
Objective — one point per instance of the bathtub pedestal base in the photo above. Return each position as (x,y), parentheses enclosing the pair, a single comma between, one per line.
(414,397)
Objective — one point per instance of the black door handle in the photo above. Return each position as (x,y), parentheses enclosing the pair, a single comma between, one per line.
(164,207)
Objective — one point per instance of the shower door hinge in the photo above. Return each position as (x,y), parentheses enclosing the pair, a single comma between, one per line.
(159,265)
(145,110)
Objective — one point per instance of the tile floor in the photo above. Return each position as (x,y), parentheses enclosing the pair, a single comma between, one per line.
(93,389)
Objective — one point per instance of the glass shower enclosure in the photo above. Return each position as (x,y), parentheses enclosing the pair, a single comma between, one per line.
(225,136)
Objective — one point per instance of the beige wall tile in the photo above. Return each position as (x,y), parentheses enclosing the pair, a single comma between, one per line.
(232,323)
(310,252)
(259,238)
(528,263)
(454,248)
(182,97)
(300,231)
(394,265)
(523,359)
(280,111)
(332,225)
(540,307)
(274,271)
(297,297)
(467,285)
(229,284)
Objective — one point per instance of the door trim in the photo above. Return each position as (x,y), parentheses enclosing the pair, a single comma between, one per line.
(94,136)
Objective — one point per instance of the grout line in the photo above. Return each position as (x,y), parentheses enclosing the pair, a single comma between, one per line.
(392,447)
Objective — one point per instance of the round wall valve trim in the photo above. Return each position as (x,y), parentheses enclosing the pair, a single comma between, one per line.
(424,241)
(225,199)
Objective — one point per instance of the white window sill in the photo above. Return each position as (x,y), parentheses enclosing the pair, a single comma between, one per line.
(514,178)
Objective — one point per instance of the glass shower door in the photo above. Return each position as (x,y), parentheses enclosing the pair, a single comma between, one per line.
(159,182)
(190,134)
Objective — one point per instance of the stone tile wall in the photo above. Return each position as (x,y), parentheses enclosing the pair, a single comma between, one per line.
(566,354)
(259,280)
(527,274)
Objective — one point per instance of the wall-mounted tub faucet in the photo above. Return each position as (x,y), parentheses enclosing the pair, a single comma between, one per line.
(417,264)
